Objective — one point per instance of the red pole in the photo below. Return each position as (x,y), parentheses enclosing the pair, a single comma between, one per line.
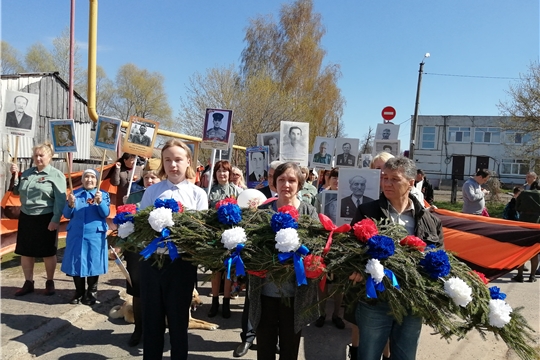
(71,80)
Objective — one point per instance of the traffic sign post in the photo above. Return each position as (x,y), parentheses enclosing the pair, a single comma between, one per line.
(388,113)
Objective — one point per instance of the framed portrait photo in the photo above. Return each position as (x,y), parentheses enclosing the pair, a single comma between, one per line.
(294,139)
(329,205)
(107,133)
(19,113)
(256,166)
(63,135)
(323,152)
(216,129)
(140,136)
(346,152)
(271,140)
(387,132)
(389,146)
(356,186)
(226,154)
(365,161)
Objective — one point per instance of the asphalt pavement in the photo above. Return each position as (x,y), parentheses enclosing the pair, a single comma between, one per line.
(36,326)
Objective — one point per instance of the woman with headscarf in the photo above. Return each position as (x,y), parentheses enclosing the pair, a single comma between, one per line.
(85,257)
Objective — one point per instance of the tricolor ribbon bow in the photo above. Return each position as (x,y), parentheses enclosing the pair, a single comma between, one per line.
(297,261)
(235,259)
(372,287)
(160,242)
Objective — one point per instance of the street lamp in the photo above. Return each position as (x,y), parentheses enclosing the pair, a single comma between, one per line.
(415,116)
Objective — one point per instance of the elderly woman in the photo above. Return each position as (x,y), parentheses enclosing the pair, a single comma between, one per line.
(271,317)
(221,189)
(396,203)
(85,257)
(43,194)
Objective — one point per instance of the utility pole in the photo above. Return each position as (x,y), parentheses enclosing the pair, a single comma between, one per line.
(415,116)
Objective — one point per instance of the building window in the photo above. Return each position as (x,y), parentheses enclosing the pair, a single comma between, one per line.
(459,134)
(487,135)
(514,167)
(428,137)
(515,137)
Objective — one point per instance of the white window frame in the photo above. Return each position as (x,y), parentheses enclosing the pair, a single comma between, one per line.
(424,141)
(462,130)
(511,135)
(517,167)
(487,131)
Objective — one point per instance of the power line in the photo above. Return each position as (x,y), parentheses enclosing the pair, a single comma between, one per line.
(475,76)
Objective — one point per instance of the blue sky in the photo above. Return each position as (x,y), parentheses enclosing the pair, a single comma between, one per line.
(378,45)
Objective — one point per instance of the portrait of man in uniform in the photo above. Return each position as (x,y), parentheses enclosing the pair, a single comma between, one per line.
(346,158)
(108,134)
(216,132)
(63,136)
(141,138)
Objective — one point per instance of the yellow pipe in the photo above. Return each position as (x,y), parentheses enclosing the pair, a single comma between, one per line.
(92,55)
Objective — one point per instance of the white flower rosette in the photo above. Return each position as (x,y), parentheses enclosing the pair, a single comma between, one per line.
(232,237)
(375,269)
(287,240)
(459,291)
(160,218)
(126,229)
(499,313)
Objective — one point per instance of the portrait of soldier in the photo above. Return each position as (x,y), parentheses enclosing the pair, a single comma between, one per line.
(63,136)
(108,134)
(346,158)
(216,132)
(141,138)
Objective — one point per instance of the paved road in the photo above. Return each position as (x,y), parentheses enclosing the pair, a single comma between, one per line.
(40,327)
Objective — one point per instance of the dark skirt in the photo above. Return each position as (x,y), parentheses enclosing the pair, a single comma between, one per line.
(33,237)
(133,266)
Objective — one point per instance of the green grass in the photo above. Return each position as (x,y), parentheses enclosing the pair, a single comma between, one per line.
(495,209)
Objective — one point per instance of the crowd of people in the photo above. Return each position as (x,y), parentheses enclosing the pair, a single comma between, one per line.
(162,295)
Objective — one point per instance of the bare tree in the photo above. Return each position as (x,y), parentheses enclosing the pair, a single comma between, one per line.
(524,112)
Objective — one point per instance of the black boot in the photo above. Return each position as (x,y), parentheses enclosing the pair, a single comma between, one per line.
(226,308)
(353,352)
(215,307)
(79,289)
(90,297)
(135,338)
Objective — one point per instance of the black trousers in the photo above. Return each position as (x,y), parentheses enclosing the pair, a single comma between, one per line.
(166,292)
(248,333)
(277,319)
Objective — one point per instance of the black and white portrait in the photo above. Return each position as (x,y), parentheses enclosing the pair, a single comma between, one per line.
(347,152)
(294,138)
(330,204)
(387,132)
(366,160)
(107,132)
(272,141)
(142,135)
(257,166)
(216,129)
(356,186)
(389,146)
(323,152)
(20,112)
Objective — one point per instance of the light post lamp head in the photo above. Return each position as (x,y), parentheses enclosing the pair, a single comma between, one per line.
(425,57)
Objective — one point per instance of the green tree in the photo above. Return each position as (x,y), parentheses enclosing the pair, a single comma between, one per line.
(290,53)
(139,92)
(11,59)
(39,59)
(523,108)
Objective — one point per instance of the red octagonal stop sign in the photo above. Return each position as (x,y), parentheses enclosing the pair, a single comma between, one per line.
(388,113)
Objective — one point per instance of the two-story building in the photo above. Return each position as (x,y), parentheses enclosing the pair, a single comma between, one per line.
(454,147)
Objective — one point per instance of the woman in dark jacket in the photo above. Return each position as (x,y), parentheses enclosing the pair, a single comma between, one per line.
(528,206)
(375,323)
